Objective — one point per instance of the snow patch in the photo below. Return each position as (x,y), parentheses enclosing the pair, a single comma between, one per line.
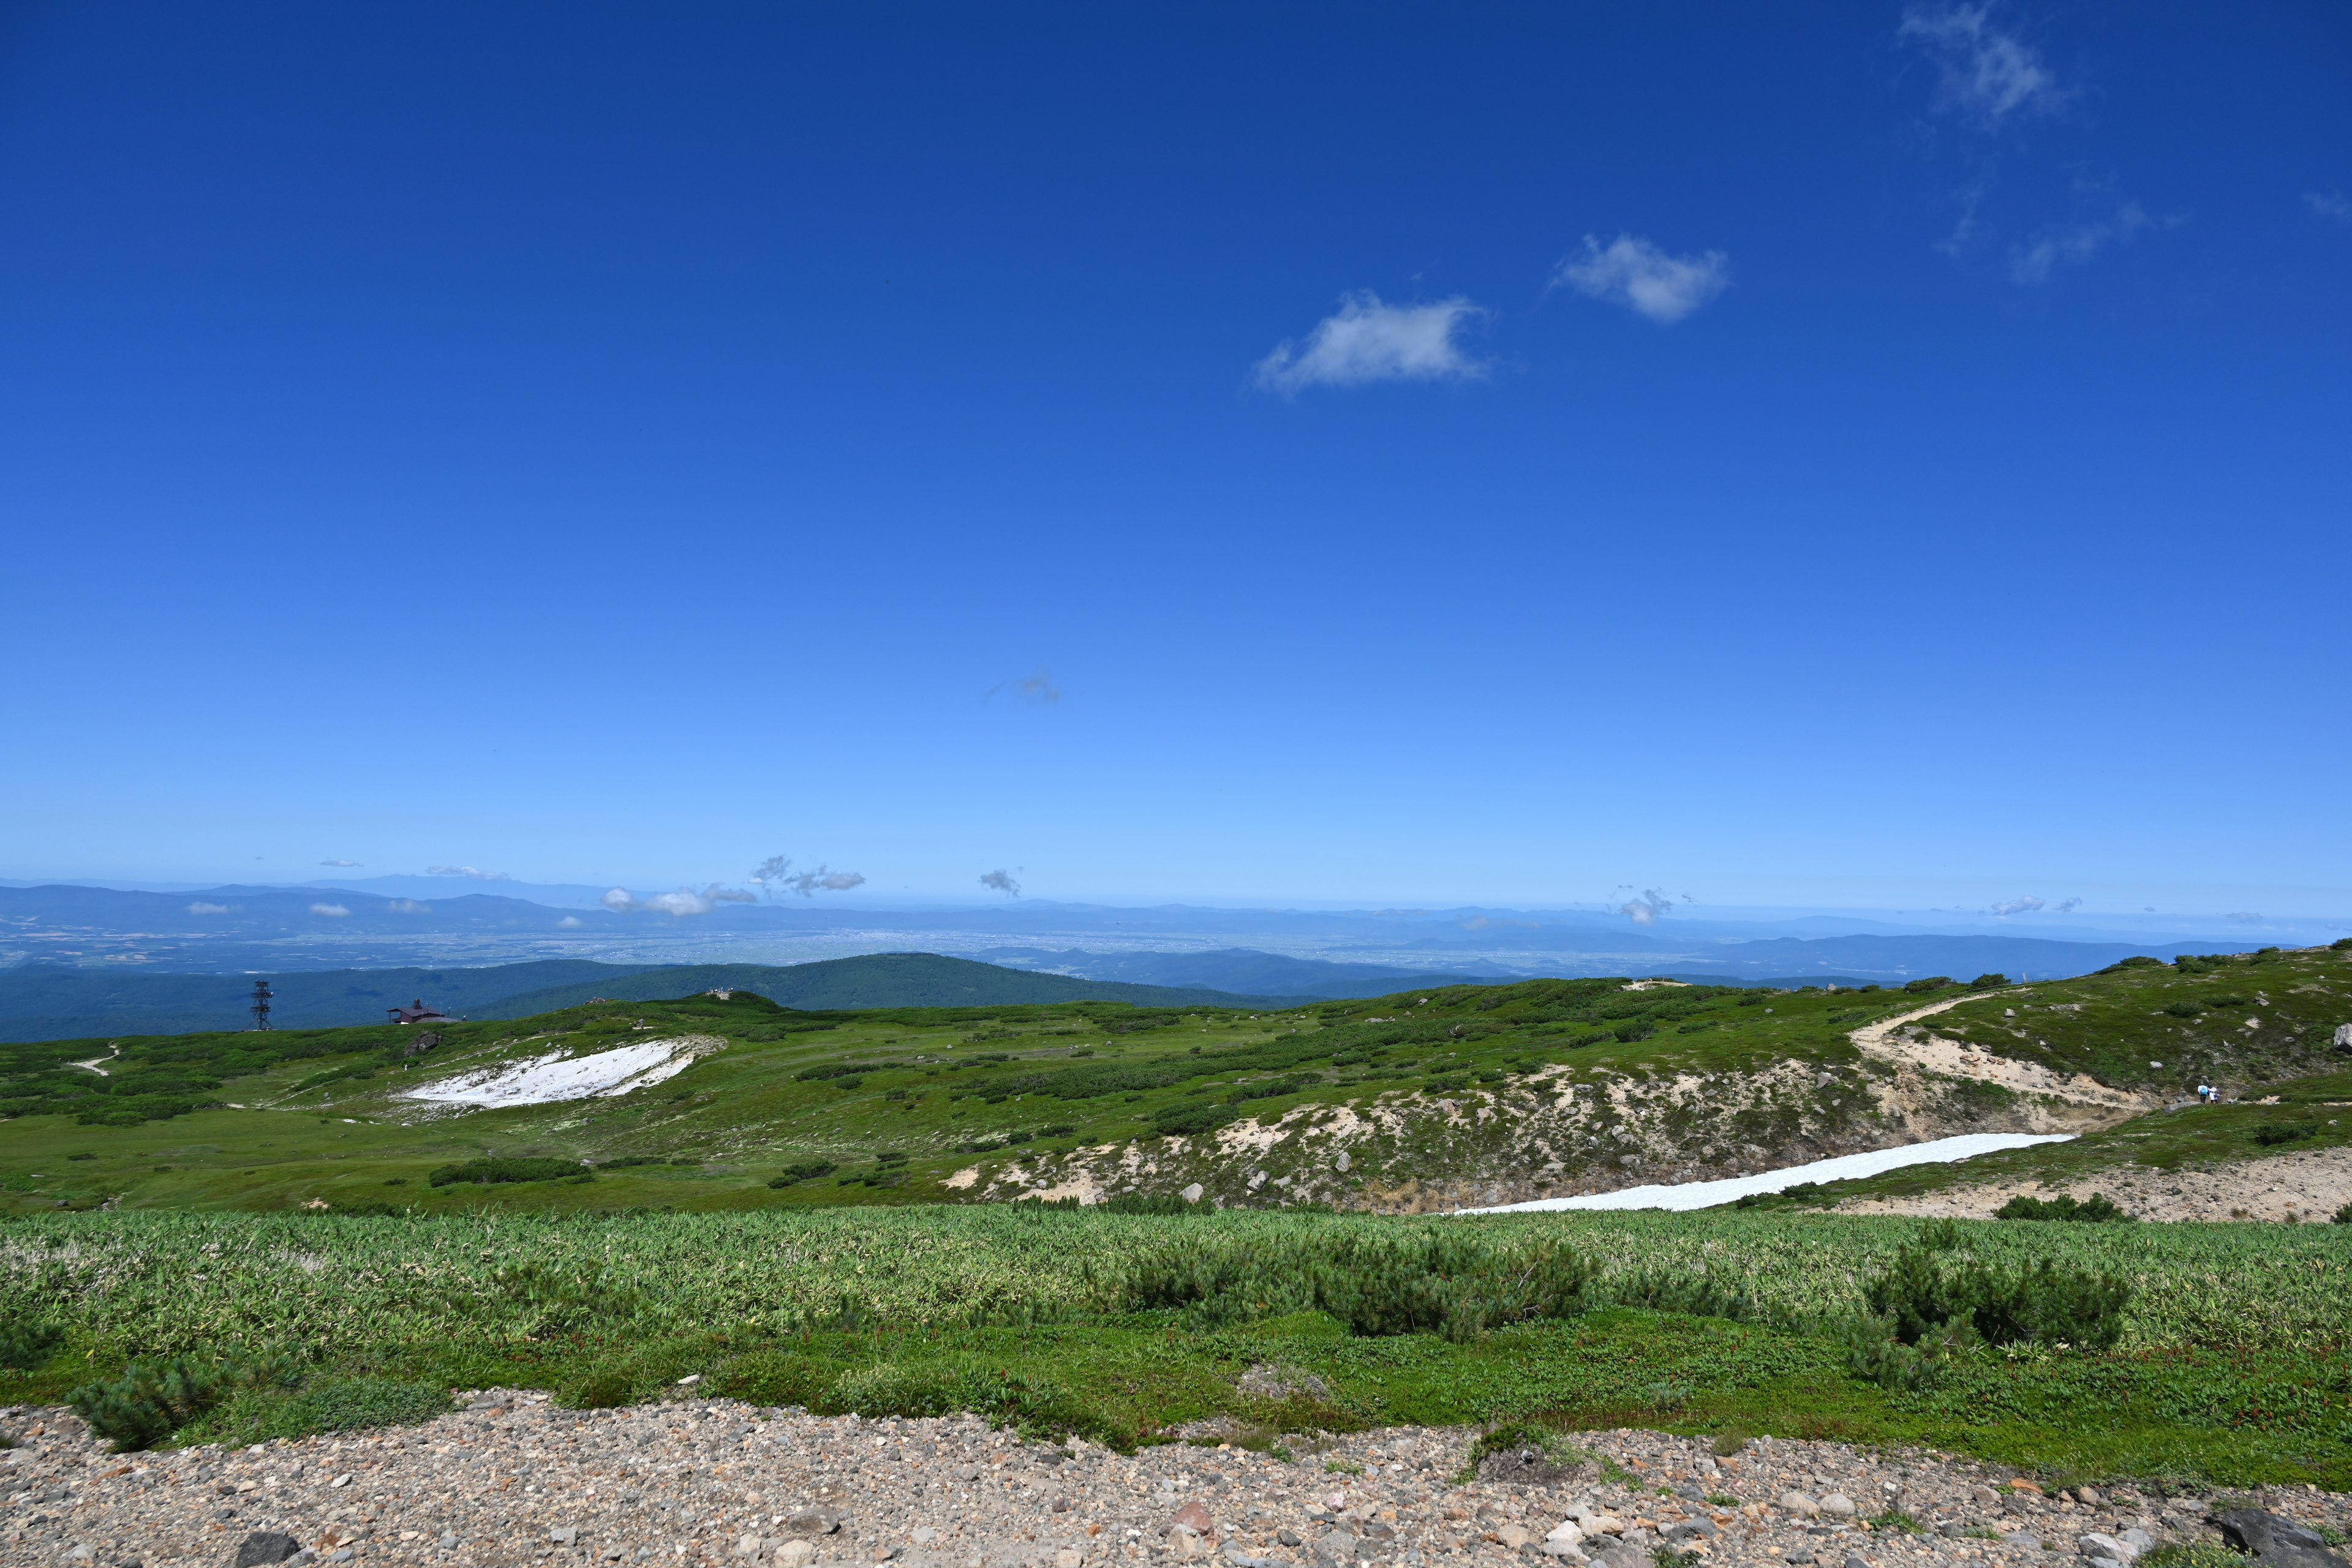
(545,1079)
(1845,1167)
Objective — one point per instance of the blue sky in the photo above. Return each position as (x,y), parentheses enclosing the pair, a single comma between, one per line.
(1846,454)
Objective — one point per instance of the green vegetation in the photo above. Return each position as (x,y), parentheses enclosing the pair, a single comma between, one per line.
(1125,1326)
(2097,1210)
(989,1103)
(511,1169)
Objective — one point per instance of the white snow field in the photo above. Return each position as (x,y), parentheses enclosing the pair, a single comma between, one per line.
(544,1079)
(1707,1195)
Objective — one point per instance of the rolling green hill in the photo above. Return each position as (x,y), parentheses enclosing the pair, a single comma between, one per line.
(872,980)
(1428,1101)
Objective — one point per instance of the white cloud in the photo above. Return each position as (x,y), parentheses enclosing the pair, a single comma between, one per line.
(204,908)
(1370,340)
(467,872)
(1986,71)
(684,901)
(1648,908)
(408,907)
(1639,276)
(568,922)
(2024,906)
(335,911)
(338,862)
(2075,243)
(2333,206)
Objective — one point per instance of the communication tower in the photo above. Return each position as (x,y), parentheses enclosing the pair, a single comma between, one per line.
(260,1008)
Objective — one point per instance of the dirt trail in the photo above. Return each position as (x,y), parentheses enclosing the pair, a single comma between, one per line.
(1893,1040)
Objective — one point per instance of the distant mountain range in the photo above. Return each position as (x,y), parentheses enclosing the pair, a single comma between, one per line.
(78,954)
(47,1003)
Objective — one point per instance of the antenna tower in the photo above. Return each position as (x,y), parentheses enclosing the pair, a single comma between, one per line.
(260,1008)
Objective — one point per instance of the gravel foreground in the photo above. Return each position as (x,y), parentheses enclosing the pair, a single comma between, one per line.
(512,1479)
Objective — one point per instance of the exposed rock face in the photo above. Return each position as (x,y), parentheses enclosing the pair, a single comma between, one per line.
(1557,1132)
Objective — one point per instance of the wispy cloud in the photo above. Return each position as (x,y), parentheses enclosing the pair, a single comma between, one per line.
(201,907)
(2024,906)
(1637,274)
(2333,206)
(408,907)
(467,872)
(338,862)
(2068,906)
(1368,340)
(569,921)
(2074,244)
(333,912)
(1648,907)
(1036,688)
(1987,73)
(684,901)
(2247,917)
(775,874)
(1001,880)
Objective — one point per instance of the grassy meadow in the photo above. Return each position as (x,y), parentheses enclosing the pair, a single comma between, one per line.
(2229,1367)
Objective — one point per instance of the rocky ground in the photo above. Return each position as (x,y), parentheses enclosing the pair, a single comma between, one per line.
(2311,1186)
(511,1479)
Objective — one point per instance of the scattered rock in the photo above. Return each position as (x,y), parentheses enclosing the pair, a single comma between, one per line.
(1333,1550)
(1269,1381)
(2277,1540)
(263,1549)
(1800,1504)
(1839,1504)
(1529,1465)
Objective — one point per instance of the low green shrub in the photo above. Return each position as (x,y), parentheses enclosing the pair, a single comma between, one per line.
(506,1169)
(1379,1286)
(1188,1121)
(150,1402)
(2272,1135)
(26,1344)
(2097,1210)
(2036,1303)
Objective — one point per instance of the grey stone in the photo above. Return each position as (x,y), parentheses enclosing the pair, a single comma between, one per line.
(564,1534)
(2025,1538)
(1949,1528)
(2276,1540)
(1289,1537)
(811,1522)
(265,1548)
(1333,1549)
(1856,1560)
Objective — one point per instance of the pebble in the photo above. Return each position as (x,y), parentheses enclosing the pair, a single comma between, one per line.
(511,1480)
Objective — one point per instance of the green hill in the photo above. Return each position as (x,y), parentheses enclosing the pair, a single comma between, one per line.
(1455,1097)
(873,980)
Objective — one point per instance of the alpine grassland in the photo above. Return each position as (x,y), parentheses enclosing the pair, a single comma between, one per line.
(2211,1352)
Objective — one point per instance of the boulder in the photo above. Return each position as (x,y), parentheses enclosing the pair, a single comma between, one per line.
(265,1548)
(2276,1540)
(1801,1505)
